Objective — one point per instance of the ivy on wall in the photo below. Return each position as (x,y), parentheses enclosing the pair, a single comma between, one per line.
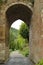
(0,1)
(3,1)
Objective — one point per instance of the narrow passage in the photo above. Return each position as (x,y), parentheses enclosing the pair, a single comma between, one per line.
(18,59)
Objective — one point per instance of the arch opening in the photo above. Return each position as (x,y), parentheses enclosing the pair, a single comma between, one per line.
(19,42)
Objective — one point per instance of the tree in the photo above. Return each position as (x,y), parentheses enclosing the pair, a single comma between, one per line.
(24,31)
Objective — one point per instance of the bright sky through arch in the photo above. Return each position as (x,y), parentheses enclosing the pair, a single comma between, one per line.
(17,24)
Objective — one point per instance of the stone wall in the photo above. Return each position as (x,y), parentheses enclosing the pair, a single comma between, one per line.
(2,42)
(36,32)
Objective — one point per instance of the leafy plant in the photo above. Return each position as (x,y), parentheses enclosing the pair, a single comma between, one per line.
(25,51)
(3,1)
(40,62)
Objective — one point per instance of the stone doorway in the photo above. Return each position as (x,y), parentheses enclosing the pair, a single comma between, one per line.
(13,13)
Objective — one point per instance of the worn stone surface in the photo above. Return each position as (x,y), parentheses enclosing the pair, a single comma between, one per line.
(36,32)
(20,9)
(18,59)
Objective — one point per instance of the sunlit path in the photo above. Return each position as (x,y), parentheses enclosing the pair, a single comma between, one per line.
(18,59)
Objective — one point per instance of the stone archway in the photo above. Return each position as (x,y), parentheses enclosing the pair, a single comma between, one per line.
(15,12)
(36,27)
(11,13)
(19,11)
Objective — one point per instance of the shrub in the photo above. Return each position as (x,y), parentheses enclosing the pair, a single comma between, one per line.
(25,51)
(40,62)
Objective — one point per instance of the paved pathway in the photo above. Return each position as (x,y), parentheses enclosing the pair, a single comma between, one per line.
(18,59)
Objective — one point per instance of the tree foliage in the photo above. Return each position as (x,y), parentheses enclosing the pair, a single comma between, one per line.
(24,31)
(17,42)
(12,38)
(20,42)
